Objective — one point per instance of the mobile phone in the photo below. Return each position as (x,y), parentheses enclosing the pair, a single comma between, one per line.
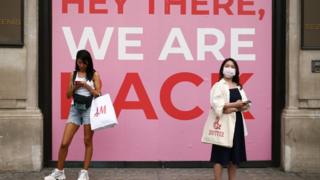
(247,102)
(77,82)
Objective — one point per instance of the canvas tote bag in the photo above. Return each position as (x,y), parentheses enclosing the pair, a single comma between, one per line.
(219,131)
(102,114)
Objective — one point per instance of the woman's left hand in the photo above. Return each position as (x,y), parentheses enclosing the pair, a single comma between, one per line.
(245,107)
(86,86)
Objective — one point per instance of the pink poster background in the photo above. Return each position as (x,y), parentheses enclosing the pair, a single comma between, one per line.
(137,138)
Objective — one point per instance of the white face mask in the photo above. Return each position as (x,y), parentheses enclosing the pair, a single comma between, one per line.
(229,72)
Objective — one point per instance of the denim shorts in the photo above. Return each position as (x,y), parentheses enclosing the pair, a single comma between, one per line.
(78,117)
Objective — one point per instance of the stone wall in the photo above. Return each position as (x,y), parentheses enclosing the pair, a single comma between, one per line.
(301,117)
(21,122)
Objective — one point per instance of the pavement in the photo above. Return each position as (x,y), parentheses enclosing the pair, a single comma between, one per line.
(164,174)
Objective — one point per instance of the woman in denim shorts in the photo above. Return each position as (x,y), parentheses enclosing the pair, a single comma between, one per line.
(83,86)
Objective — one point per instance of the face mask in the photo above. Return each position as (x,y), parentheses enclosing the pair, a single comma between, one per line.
(229,72)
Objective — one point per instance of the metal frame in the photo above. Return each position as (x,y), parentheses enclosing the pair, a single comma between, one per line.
(278,75)
(45,68)
(278,94)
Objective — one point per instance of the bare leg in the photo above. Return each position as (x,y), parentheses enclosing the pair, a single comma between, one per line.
(232,169)
(217,169)
(88,135)
(69,131)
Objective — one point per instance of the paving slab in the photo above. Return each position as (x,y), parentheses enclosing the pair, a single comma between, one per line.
(164,174)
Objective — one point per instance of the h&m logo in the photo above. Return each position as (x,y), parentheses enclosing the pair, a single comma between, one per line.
(100,110)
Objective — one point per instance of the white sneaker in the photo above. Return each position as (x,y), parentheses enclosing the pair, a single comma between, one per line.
(56,174)
(83,175)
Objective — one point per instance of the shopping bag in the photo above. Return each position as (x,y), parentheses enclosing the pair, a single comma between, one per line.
(219,130)
(102,114)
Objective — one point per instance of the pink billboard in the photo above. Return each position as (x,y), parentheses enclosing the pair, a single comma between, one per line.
(158,60)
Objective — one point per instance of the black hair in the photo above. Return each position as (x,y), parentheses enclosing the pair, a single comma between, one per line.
(85,56)
(235,78)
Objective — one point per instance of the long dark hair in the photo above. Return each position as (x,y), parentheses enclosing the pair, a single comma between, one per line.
(235,78)
(85,56)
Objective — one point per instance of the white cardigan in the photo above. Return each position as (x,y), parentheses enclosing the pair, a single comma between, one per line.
(219,96)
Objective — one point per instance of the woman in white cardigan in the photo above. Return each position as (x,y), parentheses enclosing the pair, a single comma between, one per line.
(227,98)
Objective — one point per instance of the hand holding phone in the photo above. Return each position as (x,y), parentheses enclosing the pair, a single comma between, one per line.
(79,83)
(247,102)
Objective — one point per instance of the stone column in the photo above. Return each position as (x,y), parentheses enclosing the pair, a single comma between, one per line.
(21,122)
(301,117)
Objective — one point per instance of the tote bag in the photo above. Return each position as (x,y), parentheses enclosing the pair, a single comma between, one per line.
(102,114)
(219,131)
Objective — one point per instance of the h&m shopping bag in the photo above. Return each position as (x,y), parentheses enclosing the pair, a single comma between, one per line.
(102,114)
(219,130)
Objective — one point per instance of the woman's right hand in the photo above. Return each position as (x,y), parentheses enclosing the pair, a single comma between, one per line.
(230,110)
(76,86)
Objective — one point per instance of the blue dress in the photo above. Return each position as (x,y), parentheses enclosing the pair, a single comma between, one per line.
(237,153)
